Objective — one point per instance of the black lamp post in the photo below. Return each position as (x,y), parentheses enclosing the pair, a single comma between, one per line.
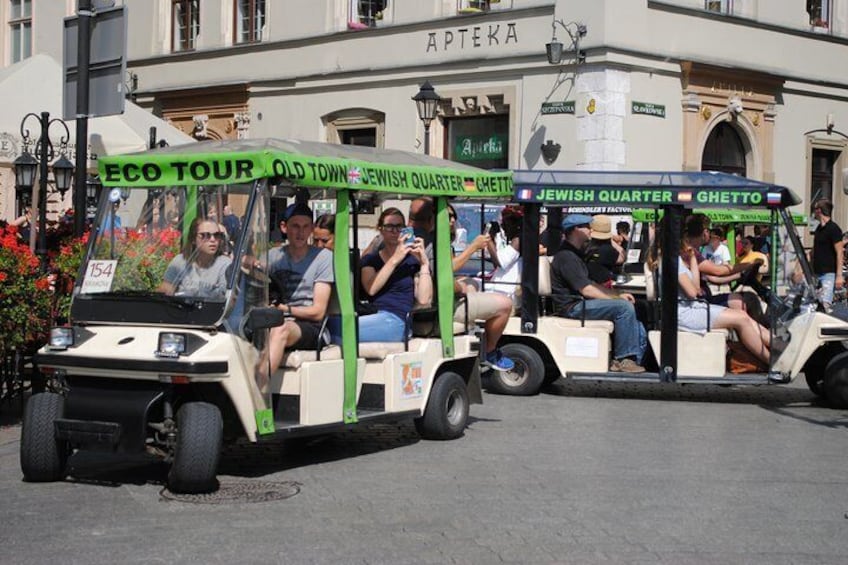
(27,164)
(427,102)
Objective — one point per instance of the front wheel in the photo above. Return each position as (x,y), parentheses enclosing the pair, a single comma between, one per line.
(200,432)
(43,457)
(446,414)
(525,379)
(836,381)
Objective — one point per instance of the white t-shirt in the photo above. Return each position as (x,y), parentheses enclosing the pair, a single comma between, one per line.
(508,272)
(719,255)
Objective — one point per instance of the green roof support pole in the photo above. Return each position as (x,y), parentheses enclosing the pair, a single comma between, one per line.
(344,291)
(443,270)
(190,211)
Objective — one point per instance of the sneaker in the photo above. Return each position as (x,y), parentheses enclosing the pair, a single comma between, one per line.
(626,365)
(498,362)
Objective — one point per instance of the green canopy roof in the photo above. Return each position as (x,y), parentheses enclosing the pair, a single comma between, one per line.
(647,189)
(306,164)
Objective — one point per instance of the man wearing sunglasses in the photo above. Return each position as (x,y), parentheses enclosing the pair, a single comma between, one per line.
(304,276)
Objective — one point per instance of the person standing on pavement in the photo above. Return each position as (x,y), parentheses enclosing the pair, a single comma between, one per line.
(827,250)
(570,277)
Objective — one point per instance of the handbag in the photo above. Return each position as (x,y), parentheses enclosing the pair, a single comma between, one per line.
(740,360)
(365,308)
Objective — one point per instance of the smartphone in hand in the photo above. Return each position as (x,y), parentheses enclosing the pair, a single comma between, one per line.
(409,233)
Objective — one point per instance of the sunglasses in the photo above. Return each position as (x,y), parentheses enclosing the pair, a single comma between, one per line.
(204,235)
(393,227)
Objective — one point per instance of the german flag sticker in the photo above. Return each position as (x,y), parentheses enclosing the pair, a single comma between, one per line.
(469,184)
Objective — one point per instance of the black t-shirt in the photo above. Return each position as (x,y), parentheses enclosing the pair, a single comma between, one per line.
(569,275)
(824,255)
(601,259)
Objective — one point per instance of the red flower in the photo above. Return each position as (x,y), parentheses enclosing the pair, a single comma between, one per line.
(42,284)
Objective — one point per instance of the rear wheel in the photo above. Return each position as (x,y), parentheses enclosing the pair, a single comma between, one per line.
(446,414)
(200,431)
(43,457)
(836,381)
(525,379)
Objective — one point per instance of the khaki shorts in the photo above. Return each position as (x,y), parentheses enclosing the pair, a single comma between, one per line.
(481,306)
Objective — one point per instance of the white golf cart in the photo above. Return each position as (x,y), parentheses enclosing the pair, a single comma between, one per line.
(176,374)
(804,338)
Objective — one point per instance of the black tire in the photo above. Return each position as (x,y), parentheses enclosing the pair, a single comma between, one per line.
(836,381)
(814,368)
(43,457)
(446,414)
(525,379)
(200,432)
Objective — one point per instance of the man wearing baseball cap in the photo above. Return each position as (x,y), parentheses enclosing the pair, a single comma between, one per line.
(570,277)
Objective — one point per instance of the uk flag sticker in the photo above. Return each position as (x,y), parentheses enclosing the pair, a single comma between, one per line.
(354,175)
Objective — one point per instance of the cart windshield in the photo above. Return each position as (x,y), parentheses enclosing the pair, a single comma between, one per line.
(163,254)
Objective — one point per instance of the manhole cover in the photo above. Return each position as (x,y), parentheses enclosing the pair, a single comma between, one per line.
(239,492)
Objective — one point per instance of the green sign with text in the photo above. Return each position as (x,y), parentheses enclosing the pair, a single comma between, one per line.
(479,147)
(648,109)
(566,107)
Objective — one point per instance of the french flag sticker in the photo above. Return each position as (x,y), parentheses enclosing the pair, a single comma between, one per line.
(773,198)
(525,194)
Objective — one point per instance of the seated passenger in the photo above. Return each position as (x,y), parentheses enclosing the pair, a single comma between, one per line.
(303,275)
(570,277)
(506,278)
(492,307)
(603,254)
(749,255)
(692,316)
(697,234)
(395,277)
(201,268)
(323,234)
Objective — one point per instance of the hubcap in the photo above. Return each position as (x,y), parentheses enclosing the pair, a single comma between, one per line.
(455,407)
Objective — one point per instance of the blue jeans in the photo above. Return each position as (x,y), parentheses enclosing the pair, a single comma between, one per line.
(828,284)
(629,337)
(382,326)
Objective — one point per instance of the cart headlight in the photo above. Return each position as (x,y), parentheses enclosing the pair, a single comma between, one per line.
(61,338)
(171,344)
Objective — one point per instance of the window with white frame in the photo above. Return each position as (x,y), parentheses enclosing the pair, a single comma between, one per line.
(820,12)
(20,29)
(185,24)
(473,6)
(720,6)
(366,13)
(250,19)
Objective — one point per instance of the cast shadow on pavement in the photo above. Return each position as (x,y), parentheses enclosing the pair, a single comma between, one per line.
(763,395)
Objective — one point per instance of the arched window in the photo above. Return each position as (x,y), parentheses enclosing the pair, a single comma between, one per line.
(724,151)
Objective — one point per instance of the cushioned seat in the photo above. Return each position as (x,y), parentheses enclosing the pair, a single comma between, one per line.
(294,359)
(378,350)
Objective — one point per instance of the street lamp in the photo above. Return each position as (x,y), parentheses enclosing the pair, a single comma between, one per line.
(554,49)
(26,165)
(427,102)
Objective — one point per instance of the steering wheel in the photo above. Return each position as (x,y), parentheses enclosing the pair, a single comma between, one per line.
(750,277)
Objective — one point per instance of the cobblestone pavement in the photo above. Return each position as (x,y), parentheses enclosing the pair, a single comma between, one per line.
(582,473)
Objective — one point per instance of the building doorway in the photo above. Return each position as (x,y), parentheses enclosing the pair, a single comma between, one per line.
(724,151)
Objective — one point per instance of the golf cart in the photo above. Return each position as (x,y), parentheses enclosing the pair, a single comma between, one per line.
(175,374)
(803,337)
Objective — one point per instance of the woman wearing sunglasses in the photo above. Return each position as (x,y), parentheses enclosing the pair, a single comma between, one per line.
(395,278)
(201,268)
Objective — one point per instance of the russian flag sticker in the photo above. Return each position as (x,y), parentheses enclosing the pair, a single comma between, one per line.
(773,198)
